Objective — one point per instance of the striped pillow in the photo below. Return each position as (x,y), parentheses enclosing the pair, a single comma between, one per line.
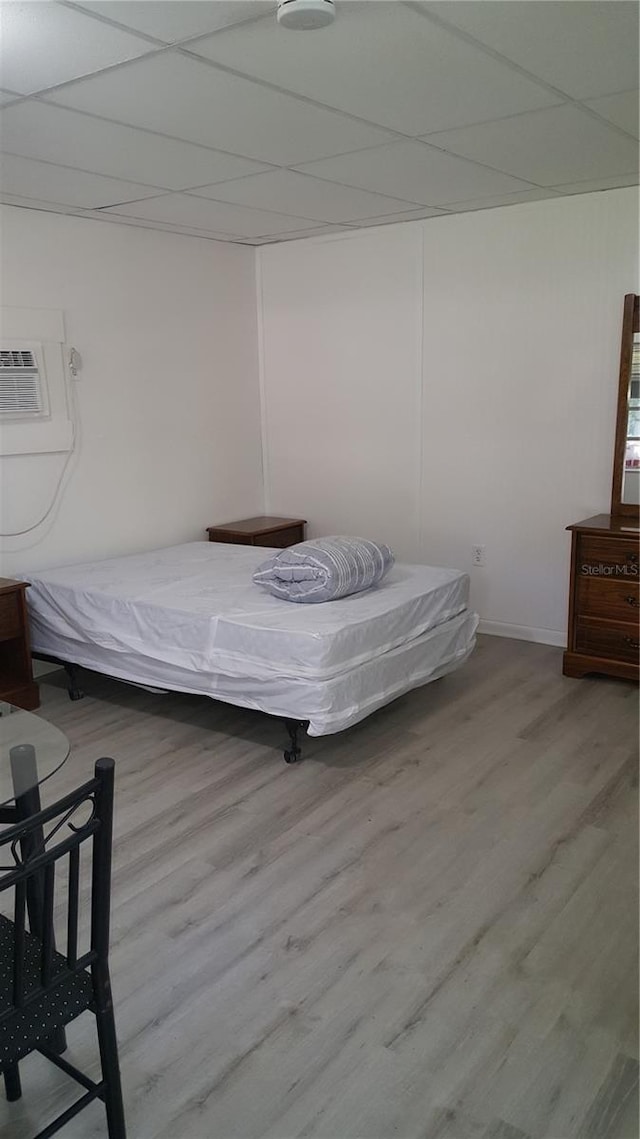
(324,569)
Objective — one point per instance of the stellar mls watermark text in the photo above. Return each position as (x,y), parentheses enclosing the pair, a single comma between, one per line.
(602,570)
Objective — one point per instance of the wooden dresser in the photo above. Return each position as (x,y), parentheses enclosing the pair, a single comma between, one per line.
(604,602)
(17,685)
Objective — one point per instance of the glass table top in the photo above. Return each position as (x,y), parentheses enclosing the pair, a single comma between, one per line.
(31,750)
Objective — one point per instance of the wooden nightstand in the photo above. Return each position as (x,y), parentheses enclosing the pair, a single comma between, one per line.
(17,685)
(260,531)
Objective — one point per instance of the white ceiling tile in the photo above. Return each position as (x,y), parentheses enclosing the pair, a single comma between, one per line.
(549,147)
(584,49)
(193,101)
(414,172)
(621,109)
(202,213)
(43,44)
(302,196)
(41,130)
(112,219)
(408,215)
(51,183)
(599,184)
(144,223)
(492,201)
(171,20)
(383,62)
(315,231)
(37,204)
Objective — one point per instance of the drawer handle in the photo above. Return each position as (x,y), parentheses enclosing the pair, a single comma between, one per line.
(633,601)
(630,641)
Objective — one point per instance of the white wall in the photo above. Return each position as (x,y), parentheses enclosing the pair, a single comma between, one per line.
(341,351)
(453,382)
(168,394)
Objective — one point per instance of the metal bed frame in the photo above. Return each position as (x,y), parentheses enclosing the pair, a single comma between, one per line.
(292,753)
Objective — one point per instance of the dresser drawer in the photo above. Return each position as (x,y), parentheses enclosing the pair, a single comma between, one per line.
(612,599)
(10,616)
(615,643)
(612,558)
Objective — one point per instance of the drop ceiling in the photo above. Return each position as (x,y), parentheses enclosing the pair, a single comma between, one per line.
(205,117)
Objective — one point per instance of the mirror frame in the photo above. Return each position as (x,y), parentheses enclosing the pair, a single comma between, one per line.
(630,325)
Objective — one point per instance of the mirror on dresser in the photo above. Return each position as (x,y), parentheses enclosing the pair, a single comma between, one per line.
(625,491)
(604,588)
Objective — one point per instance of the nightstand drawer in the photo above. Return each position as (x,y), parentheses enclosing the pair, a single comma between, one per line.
(616,643)
(610,600)
(10,616)
(613,558)
(289,536)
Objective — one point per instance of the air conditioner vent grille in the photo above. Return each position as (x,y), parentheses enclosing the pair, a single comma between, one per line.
(17,359)
(23,391)
(20,395)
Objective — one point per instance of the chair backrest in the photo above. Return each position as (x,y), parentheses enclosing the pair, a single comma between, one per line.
(30,854)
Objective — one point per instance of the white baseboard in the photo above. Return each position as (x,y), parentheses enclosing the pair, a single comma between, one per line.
(42,667)
(524,633)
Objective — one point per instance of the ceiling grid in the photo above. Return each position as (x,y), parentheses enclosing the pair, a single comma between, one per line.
(205,117)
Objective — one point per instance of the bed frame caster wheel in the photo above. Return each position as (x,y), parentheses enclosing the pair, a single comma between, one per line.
(293,754)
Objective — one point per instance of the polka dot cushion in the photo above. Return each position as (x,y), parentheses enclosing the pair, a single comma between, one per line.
(21,1030)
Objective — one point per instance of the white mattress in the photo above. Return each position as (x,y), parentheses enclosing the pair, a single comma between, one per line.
(190,618)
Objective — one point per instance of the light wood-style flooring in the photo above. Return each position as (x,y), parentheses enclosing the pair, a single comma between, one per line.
(426,930)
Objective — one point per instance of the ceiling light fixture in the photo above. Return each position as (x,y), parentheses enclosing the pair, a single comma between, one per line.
(304,15)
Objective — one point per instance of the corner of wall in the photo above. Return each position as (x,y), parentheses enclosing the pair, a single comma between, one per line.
(266,490)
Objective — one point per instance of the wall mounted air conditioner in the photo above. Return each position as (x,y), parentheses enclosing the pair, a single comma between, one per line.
(35,417)
(23,382)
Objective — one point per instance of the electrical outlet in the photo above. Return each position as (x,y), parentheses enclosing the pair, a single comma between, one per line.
(478,555)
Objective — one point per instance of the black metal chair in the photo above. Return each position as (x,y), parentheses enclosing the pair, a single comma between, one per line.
(41,989)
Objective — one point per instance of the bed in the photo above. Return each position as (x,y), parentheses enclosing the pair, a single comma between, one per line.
(189,619)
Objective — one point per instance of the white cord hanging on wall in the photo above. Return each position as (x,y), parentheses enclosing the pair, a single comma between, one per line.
(60,483)
(38,414)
